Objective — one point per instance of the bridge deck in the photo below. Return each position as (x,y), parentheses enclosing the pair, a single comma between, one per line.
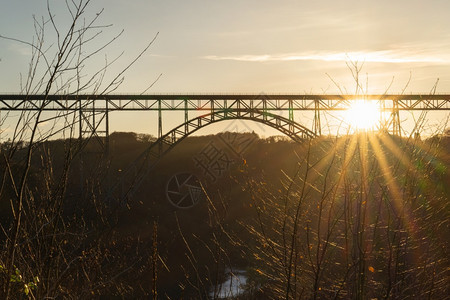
(161,102)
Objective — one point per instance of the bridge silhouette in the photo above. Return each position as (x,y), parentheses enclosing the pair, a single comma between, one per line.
(92,115)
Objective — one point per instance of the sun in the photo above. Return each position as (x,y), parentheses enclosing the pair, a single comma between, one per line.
(363,115)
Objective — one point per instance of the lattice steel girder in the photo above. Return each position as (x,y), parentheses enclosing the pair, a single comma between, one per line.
(216,101)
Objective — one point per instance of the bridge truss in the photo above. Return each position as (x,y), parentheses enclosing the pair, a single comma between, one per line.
(91,113)
(93,109)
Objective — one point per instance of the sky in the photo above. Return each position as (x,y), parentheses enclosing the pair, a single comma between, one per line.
(253,46)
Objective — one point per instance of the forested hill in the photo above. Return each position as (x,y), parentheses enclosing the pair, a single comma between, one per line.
(363,215)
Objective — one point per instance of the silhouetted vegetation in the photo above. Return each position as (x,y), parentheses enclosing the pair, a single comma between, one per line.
(361,216)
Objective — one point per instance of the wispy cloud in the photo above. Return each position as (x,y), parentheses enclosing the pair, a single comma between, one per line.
(20,49)
(388,56)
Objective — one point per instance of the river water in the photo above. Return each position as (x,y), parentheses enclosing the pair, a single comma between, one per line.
(233,285)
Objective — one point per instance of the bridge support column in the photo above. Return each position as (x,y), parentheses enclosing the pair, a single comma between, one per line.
(382,126)
(396,129)
(160,125)
(93,126)
(106,129)
(291,114)
(238,107)
(316,122)
(186,116)
(159,119)
(264,109)
(225,106)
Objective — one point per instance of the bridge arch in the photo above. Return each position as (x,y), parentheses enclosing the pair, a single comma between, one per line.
(132,178)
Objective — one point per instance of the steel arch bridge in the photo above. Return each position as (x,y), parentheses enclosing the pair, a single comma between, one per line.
(140,168)
(91,114)
(93,110)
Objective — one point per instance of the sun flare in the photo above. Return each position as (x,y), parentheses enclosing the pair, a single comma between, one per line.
(363,115)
